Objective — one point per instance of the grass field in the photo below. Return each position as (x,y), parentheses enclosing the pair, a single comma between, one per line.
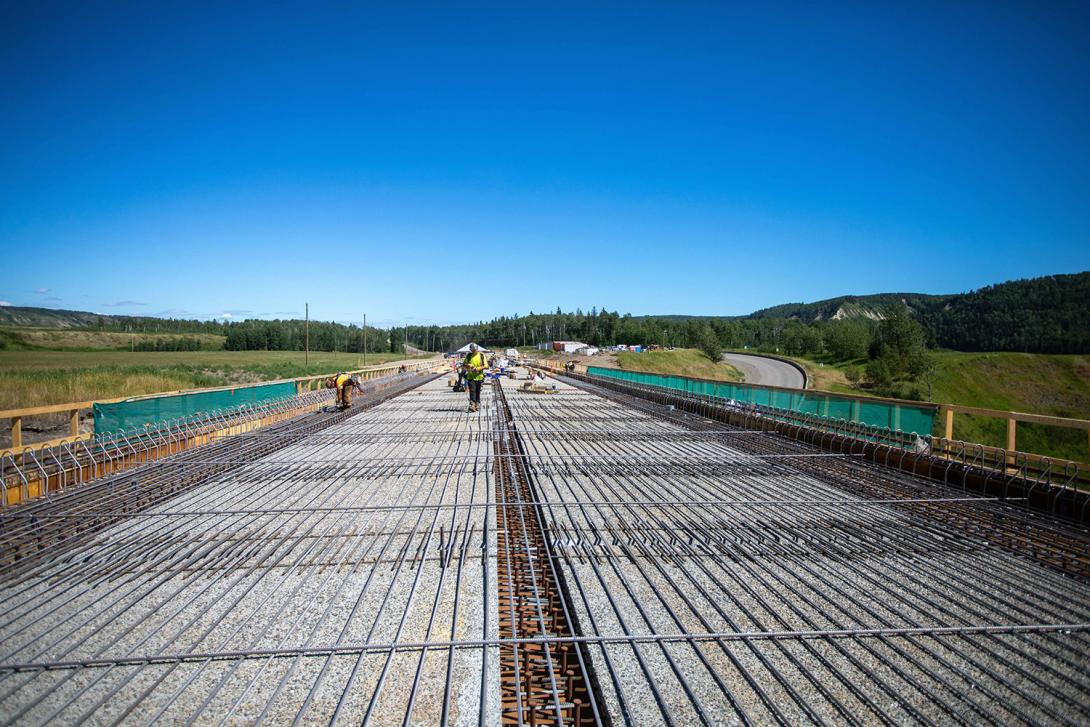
(35,378)
(75,339)
(535,352)
(681,361)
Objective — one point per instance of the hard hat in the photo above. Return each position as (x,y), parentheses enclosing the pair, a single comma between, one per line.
(472,347)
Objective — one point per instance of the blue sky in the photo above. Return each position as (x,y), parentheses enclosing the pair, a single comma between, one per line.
(454,162)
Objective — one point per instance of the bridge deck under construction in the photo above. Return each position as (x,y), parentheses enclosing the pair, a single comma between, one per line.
(576,556)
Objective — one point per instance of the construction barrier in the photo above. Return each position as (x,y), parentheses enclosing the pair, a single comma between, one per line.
(33,472)
(885,413)
(238,397)
(150,410)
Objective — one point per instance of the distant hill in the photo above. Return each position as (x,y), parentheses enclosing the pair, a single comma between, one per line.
(24,317)
(850,306)
(1050,314)
(47,318)
(17,323)
(839,308)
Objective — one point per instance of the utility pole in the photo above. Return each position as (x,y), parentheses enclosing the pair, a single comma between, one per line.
(365,340)
(306,327)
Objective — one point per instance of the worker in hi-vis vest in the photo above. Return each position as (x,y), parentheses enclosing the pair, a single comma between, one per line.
(343,383)
(474,365)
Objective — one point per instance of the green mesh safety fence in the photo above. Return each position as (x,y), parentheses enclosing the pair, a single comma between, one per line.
(135,413)
(917,418)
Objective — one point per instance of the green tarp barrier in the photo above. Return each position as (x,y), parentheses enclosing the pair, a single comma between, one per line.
(134,414)
(903,417)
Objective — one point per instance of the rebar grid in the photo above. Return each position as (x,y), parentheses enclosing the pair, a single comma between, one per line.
(29,530)
(235,577)
(723,567)
(705,577)
(1057,541)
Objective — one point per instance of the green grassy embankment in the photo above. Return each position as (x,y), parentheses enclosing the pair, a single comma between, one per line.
(680,362)
(1030,383)
(535,352)
(37,378)
(1054,385)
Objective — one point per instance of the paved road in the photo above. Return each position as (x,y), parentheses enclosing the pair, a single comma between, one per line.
(768,371)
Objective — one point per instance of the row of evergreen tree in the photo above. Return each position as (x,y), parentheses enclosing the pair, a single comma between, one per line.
(292,335)
(1042,315)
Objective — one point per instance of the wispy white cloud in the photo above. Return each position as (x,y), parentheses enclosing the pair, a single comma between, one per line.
(123,303)
(42,291)
(4,304)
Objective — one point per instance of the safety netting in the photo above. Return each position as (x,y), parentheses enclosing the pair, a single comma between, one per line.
(138,412)
(897,416)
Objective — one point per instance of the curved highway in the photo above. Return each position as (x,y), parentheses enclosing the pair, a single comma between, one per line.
(767,371)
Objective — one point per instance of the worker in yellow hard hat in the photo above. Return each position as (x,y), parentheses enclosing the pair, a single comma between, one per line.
(344,384)
(474,365)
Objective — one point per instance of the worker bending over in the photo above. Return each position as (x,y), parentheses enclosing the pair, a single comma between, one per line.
(344,384)
(474,366)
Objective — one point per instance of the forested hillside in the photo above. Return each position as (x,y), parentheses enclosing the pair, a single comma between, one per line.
(25,317)
(1050,314)
(1039,315)
(850,306)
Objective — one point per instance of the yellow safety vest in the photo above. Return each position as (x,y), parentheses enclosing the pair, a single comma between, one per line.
(475,359)
(342,379)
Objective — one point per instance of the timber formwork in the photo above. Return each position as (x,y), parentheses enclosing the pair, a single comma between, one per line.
(579,558)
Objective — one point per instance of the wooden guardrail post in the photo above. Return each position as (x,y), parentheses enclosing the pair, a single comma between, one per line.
(1012,436)
(16,433)
(949,429)
(73,422)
